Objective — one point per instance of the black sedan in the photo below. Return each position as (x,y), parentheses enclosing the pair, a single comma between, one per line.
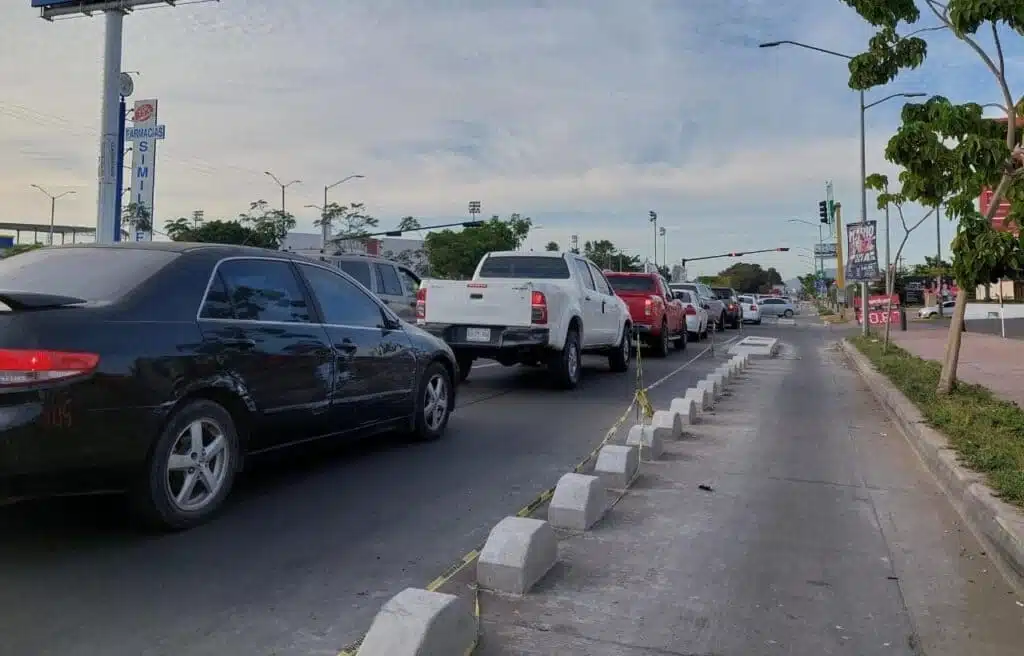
(156,369)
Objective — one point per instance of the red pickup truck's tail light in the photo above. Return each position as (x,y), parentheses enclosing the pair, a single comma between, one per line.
(538,308)
(421,303)
(691,311)
(648,307)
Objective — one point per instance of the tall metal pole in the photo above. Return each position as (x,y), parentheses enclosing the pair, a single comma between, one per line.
(106,198)
(122,112)
(53,214)
(863,209)
(888,258)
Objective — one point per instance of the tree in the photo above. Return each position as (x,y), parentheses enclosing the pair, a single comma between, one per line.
(749,278)
(604,254)
(219,232)
(455,255)
(886,199)
(951,151)
(408,224)
(136,217)
(552,246)
(269,226)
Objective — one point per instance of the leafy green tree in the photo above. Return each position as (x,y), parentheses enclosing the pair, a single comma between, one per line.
(136,217)
(948,151)
(270,226)
(552,246)
(219,232)
(455,254)
(409,224)
(604,254)
(748,278)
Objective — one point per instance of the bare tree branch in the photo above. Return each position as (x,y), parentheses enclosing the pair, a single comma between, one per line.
(937,28)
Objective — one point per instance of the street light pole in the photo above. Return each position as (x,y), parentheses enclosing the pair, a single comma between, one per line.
(283,187)
(325,226)
(864,107)
(53,208)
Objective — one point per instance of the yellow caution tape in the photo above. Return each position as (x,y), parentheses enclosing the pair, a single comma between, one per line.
(644,409)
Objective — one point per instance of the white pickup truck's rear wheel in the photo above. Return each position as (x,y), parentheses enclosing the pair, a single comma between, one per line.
(565,366)
(618,358)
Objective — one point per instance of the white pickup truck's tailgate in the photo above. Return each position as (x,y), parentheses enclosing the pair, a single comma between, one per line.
(496,303)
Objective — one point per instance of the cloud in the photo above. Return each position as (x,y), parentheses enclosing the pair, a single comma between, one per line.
(583,114)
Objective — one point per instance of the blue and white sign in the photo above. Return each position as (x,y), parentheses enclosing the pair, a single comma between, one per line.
(143,134)
(136,133)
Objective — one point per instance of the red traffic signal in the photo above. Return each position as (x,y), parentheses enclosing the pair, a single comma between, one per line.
(782,248)
(736,254)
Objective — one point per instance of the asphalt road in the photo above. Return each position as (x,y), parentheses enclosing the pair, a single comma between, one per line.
(819,532)
(313,544)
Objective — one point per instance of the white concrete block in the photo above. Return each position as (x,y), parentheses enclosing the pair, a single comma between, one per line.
(420,623)
(685,409)
(701,397)
(713,390)
(617,465)
(519,551)
(756,346)
(718,379)
(726,372)
(578,503)
(667,425)
(648,440)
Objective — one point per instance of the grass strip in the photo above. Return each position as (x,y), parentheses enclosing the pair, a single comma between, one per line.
(986,431)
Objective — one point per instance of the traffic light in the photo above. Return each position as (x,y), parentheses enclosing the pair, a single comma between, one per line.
(823,211)
(782,248)
(472,224)
(736,254)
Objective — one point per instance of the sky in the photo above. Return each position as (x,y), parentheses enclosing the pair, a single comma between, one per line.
(581,114)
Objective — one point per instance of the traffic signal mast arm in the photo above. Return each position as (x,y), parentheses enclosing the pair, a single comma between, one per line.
(738,254)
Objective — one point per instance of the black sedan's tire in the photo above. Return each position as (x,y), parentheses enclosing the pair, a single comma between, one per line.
(433,403)
(191,469)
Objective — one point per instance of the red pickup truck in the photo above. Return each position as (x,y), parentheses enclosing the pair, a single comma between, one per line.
(658,317)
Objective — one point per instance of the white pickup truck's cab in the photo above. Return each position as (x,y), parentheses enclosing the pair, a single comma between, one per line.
(530,308)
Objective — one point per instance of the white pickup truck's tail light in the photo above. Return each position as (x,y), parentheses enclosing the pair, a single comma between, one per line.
(538,308)
(691,311)
(421,304)
(753,308)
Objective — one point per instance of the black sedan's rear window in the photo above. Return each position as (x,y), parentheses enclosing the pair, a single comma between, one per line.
(631,283)
(92,274)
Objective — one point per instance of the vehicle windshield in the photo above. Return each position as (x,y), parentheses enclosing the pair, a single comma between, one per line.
(534,268)
(631,283)
(92,274)
(722,294)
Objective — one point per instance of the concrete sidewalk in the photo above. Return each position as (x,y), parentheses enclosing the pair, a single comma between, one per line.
(818,532)
(986,360)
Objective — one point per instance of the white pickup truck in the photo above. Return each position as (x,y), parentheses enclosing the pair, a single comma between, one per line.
(529,308)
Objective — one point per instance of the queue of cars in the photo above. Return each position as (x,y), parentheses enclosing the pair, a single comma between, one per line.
(159,368)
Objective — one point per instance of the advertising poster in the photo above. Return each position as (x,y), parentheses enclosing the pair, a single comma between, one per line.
(862,252)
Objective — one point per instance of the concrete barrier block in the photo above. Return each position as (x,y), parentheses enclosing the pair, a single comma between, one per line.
(685,409)
(725,371)
(578,503)
(417,622)
(718,379)
(617,465)
(519,551)
(701,397)
(667,425)
(648,440)
(712,389)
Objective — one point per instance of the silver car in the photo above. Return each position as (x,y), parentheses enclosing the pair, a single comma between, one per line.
(776,307)
(391,282)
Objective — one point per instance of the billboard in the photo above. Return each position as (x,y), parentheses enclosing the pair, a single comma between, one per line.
(143,183)
(862,252)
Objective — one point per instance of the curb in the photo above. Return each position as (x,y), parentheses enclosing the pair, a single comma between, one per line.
(999,525)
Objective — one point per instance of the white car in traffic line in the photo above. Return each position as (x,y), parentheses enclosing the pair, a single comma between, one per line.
(751,311)
(696,314)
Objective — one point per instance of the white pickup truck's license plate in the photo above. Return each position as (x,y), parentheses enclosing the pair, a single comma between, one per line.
(478,334)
